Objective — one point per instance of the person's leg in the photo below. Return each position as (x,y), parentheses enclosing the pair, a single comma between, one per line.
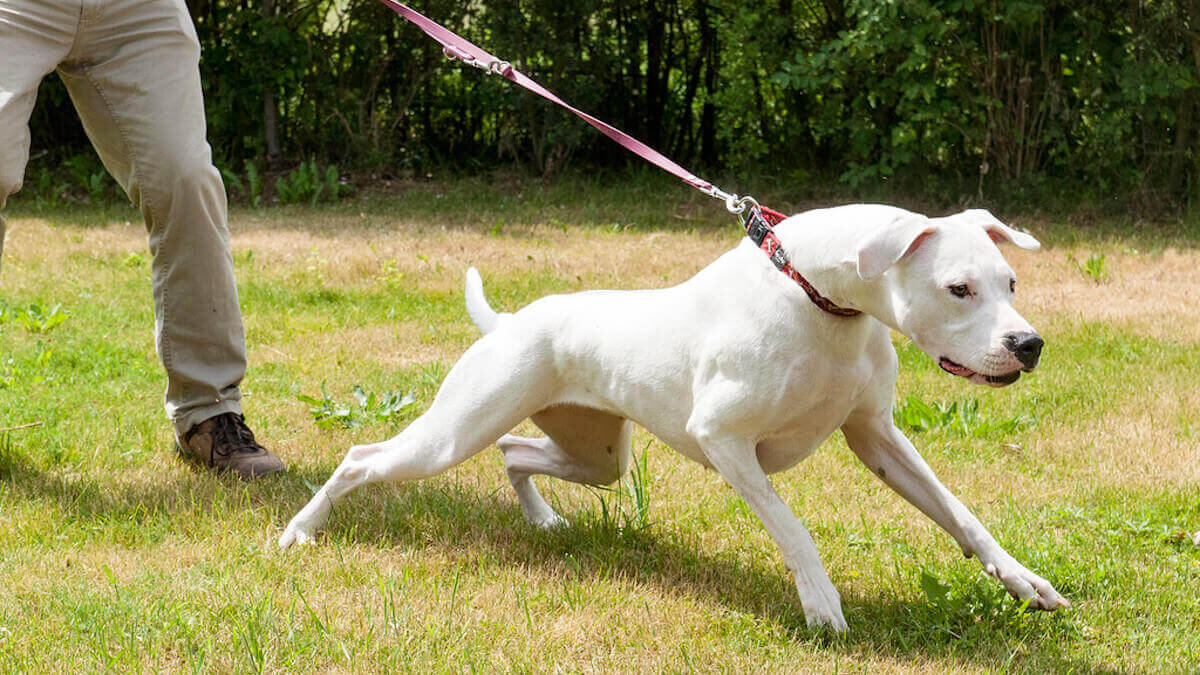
(34,37)
(134,77)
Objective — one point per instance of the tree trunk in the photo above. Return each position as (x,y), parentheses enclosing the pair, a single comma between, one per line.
(270,110)
(710,52)
(656,75)
(1186,121)
(1183,143)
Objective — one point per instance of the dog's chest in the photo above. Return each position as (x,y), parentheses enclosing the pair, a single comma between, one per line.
(803,403)
(827,391)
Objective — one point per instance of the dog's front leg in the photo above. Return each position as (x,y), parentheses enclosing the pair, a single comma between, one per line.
(735,459)
(890,455)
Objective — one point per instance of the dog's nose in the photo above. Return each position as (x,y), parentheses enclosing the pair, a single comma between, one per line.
(1027,347)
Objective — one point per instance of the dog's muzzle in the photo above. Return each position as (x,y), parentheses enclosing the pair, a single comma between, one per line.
(1025,347)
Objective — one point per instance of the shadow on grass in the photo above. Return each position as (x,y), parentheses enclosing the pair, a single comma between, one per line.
(142,508)
(441,514)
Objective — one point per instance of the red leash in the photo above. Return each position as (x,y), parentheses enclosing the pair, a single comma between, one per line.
(757,219)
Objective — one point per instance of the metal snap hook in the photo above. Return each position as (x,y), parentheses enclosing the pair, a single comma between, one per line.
(747,201)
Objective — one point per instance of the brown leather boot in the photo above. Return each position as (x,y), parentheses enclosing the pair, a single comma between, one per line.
(225,443)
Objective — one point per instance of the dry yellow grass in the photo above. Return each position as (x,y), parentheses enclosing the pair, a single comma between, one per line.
(1147,294)
(1151,294)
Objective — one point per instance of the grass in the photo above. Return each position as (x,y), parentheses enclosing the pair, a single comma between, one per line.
(115,555)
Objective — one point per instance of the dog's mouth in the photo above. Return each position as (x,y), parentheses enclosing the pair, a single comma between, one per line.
(978,378)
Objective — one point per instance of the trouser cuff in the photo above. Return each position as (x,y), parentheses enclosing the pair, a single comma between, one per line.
(186,419)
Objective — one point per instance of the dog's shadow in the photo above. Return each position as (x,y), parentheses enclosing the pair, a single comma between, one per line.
(447,515)
(450,516)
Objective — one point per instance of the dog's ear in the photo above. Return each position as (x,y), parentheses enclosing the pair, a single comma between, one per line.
(998,231)
(890,243)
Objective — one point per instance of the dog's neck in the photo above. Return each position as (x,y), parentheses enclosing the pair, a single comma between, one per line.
(827,258)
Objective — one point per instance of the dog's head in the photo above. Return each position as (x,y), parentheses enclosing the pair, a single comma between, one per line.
(952,292)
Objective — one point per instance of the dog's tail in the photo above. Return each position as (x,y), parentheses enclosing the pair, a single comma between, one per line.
(477,305)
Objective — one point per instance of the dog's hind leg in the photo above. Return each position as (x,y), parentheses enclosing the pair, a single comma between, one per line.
(476,404)
(584,446)
(524,457)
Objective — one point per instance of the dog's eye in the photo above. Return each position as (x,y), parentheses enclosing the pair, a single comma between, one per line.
(960,290)
(1012,285)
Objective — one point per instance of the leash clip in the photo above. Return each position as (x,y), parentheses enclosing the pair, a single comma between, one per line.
(734,203)
(744,203)
(494,67)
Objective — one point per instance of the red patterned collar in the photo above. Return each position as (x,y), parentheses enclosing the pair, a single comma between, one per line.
(758,221)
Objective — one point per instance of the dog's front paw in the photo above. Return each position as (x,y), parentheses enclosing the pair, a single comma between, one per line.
(824,608)
(306,523)
(551,521)
(832,618)
(1025,585)
(828,615)
(296,534)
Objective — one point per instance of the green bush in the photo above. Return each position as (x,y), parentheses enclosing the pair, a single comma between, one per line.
(963,99)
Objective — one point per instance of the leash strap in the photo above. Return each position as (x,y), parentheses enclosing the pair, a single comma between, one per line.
(754,217)
(455,46)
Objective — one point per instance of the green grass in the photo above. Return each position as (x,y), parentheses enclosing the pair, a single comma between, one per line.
(115,555)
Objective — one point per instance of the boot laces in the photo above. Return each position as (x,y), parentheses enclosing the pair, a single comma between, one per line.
(231,436)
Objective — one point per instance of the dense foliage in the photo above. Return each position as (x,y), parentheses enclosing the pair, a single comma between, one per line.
(1098,98)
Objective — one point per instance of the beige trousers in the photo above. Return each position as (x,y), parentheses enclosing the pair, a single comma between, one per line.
(132,69)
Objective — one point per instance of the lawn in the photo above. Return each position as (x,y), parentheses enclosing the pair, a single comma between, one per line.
(115,555)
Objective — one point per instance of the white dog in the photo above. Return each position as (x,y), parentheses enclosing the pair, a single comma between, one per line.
(738,370)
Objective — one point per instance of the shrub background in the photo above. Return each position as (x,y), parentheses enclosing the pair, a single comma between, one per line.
(1038,100)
